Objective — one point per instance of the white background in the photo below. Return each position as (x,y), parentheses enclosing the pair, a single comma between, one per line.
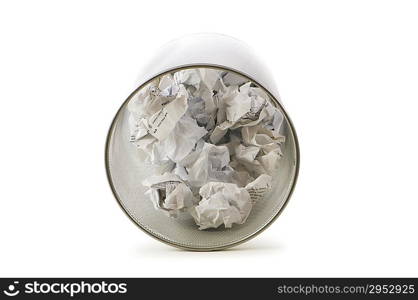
(348,76)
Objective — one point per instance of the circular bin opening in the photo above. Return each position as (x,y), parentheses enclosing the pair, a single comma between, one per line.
(127,168)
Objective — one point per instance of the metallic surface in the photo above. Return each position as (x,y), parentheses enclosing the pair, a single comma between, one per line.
(213,51)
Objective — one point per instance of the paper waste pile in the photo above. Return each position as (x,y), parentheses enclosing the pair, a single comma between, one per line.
(217,134)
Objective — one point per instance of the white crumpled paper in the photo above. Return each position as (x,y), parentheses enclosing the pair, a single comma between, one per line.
(226,203)
(218,137)
(169,194)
